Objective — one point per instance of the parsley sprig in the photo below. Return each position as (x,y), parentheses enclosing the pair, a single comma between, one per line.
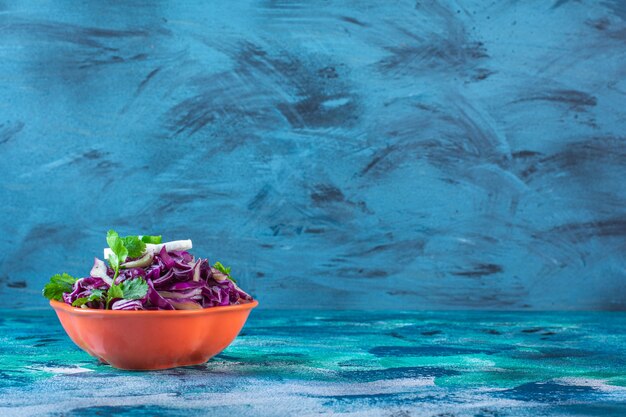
(128,246)
(130,289)
(224,270)
(120,251)
(94,296)
(122,248)
(58,284)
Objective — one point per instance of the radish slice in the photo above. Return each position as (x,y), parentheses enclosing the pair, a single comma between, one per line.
(99,270)
(196,271)
(169,246)
(145,260)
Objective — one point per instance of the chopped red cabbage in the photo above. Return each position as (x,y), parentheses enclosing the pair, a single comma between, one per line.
(176,281)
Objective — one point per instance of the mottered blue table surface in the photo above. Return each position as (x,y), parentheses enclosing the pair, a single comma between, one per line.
(338,363)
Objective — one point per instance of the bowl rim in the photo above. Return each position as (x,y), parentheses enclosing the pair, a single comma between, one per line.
(58,305)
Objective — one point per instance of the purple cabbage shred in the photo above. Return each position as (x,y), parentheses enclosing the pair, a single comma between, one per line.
(176,281)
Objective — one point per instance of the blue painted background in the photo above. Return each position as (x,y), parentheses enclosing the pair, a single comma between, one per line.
(338,154)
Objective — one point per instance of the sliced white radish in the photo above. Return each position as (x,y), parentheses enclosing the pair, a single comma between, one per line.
(99,270)
(170,246)
(145,260)
(154,249)
(218,275)
(196,270)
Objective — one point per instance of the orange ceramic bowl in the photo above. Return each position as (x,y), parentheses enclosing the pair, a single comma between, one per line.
(153,339)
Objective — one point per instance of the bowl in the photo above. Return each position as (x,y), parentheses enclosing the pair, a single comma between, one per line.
(153,339)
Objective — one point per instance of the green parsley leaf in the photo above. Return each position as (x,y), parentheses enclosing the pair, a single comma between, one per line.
(114,261)
(95,295)
(115,291)
(131,289)
(224,270)
(113,240)
(134,289)
(80,301)
(155,240)
(134,245)
(221,268)
(58,284)
(120,253)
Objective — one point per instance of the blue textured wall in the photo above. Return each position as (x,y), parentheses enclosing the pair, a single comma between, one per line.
(339,154)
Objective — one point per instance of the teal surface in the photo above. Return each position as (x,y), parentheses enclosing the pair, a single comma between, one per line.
(347,363)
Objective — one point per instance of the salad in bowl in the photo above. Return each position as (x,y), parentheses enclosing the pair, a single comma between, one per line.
(144,274)
(150,305)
